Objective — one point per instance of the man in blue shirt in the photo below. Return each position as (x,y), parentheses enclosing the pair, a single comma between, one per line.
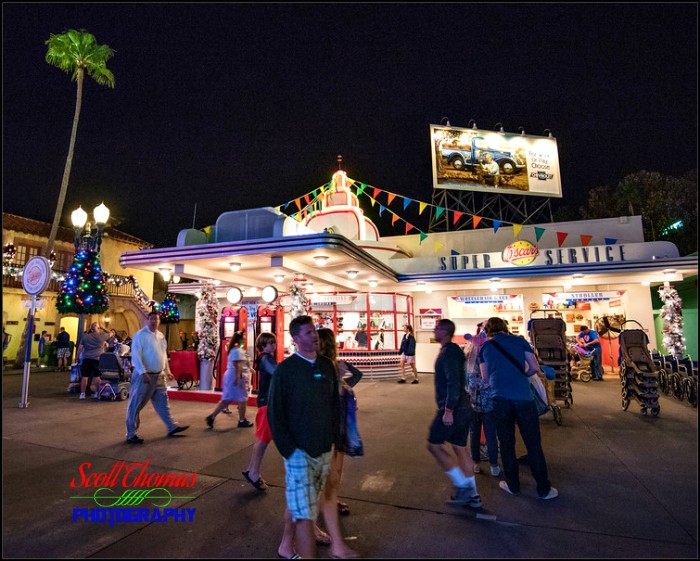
(590,339)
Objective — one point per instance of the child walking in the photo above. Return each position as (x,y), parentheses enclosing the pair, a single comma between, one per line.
(235,382)
(265,364)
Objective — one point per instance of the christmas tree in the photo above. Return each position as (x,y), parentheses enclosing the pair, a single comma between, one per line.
(207,323)
(672,314)
(169,312)
(84,290)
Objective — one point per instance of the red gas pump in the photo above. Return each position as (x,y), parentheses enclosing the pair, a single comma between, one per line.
(269,319)
(233,318)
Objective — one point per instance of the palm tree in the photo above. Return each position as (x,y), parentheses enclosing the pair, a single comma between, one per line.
(75,52)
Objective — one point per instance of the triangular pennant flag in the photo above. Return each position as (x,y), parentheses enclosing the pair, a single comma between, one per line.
(278,208)
(423,235)
(376,192)
(496,225)
(373,201)
(390,198)
(516,229)
(409,227)
(538,233)
(315,194)
(406,202)
(298,202)
(476,219)
(306,198)
(323,189)
(381,209)
(287,204)
(439,210)
(585,240)
(561,236)
(610,241)
(394,218)
(456,216)
(438,246)
(421,207)
(453,252)
(361,189)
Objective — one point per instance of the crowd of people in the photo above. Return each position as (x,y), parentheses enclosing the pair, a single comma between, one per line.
(482,393)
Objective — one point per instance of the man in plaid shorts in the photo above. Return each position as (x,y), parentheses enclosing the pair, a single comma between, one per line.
(303,413)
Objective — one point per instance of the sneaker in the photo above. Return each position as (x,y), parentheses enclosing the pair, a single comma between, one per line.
(495,471)
(245,423)
(414,382)
(95,395)
(477,469)
(552,494)
(134,440)
(178,429)
(401,381)
(466,496)
(82,396)
(210,421)
(503,485)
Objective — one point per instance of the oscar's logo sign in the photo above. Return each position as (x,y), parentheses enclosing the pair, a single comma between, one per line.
(520,253)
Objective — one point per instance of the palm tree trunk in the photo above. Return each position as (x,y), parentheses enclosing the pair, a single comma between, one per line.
(69,163)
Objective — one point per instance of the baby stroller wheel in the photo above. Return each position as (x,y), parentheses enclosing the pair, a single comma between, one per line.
(585,376)
(556,411)
(655,411)
(644,410)
(123,394)
(185,381)
(677,386)
(691,391)
(625,403)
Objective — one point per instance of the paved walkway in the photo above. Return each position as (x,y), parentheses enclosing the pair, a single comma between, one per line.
(627,483)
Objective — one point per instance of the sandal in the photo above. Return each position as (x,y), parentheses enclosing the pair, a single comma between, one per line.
(321,537)
(260,484)
(343,508)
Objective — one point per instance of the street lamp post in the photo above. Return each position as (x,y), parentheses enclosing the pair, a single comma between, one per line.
(88,238)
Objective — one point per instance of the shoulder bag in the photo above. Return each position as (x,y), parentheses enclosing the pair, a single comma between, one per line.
(541,405)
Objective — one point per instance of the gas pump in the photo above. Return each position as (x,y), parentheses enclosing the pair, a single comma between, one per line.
(233,318)
(270,319)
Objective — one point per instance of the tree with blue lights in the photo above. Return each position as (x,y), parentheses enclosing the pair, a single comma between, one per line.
(84,290)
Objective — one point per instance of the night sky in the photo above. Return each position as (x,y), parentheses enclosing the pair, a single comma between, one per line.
(234,106)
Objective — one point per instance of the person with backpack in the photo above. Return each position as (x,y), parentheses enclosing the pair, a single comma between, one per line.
(264,365)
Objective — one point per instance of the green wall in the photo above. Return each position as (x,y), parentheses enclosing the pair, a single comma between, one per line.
(688,293)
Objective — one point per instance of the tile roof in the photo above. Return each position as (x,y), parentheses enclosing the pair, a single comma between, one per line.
(43,229)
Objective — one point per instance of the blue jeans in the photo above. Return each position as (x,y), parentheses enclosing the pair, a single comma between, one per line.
(508,413)
(489,424)
(140,393)
(597,362)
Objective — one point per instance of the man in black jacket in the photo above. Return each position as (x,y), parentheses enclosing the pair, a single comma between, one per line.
(303,413)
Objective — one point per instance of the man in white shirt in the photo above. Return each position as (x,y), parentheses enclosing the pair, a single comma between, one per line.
(149,361)
(490,171)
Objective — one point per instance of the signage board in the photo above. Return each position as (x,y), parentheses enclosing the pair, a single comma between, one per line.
(40,304)
(463,159)
(36,276)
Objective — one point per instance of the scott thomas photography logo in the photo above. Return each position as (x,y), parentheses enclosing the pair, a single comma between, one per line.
(130,492)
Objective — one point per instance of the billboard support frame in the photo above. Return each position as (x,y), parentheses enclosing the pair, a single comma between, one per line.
(512,209)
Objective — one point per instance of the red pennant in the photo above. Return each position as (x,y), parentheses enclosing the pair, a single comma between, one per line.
(375,192)
(409,227)
(585,240)
(561,236)
(456,215)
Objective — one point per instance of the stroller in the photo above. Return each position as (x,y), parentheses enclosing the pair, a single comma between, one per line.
(116,376)
(548,338)
(638,373)
(579,361)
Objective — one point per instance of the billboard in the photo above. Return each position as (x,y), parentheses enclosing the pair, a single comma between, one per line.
(494,162)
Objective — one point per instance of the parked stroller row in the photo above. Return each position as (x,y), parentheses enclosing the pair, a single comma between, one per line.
(678,377)
(638,373)
(548,338)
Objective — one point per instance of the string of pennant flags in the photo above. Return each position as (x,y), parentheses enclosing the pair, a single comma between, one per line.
(310,202)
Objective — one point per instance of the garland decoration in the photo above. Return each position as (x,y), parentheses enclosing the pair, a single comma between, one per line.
(672,314)
(207,323)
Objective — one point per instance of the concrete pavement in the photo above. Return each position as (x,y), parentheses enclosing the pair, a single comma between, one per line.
(627,482)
